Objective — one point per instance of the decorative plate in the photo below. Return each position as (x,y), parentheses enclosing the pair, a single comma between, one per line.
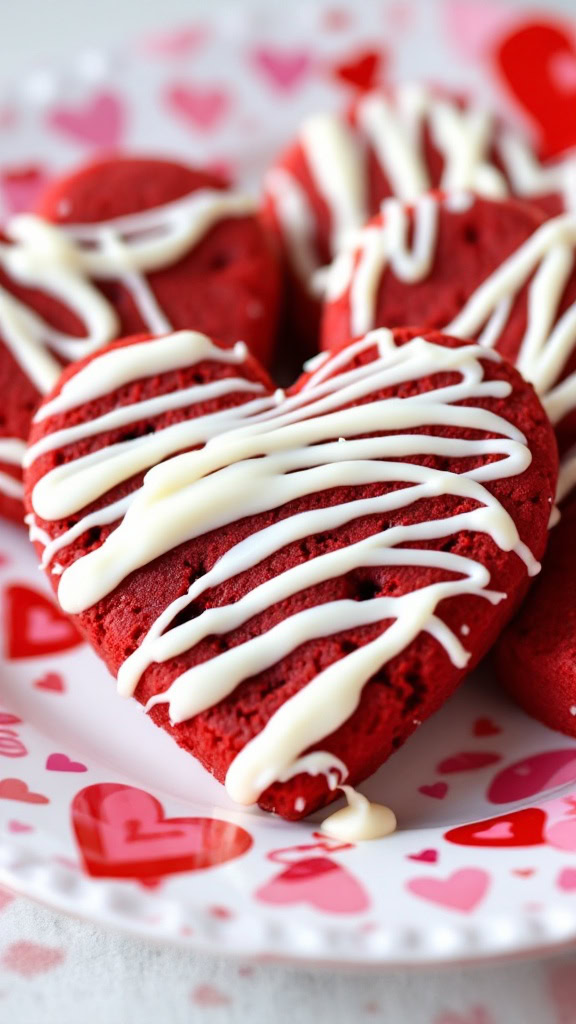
(100,813)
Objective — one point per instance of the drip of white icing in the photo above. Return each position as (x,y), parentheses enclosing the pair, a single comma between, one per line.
(266,458)
(360,819)
(319,762)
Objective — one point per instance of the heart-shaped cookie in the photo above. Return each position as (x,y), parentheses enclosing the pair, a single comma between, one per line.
(299,579)
(337,172)
(166,246)
(513,289)
(172,248)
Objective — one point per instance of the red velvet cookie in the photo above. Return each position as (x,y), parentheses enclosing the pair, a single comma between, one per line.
(223,276)
(29,317)
(536,654)
(478,268)
(315,574)
(166,245)
(340,168)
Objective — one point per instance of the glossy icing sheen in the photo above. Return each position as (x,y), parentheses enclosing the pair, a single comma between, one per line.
(393,129)
(258,457)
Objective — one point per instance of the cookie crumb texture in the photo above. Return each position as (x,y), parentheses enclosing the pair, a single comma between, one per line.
(409,687)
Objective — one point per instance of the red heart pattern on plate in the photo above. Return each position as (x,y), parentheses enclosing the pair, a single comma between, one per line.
(62,763)
(363,71)
(531,61)
(251,416)
(284,69)
(532,775)
(319,882)
(34,625)
(16,789)
(199,107)
(122,832)
(517,828)
(467,761)
(99,121)
(463,890)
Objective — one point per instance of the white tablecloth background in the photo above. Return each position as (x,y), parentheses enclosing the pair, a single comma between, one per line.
(55,970)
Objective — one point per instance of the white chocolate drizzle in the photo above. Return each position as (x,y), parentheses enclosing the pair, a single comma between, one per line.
(61,260)
(544,264)
(259,460)
(393,129)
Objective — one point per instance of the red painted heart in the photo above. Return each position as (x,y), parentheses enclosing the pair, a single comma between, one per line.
(52,682)
(16,789)
(34,625)
(437,790)
(532,61)
(62,763)
(426,856)
(536,774)
(519,828)
(122,833)
(363,71)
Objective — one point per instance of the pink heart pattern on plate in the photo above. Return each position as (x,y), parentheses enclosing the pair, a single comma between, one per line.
(463,890)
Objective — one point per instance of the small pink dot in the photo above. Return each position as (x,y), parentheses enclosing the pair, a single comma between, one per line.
(221,913)
(209,995)
(30,958)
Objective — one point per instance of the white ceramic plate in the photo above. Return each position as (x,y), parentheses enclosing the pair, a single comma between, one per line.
(89,789)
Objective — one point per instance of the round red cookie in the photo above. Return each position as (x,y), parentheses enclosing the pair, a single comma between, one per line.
(536,654)
(408,686)
(227,283)
(473,267)
(401,143)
